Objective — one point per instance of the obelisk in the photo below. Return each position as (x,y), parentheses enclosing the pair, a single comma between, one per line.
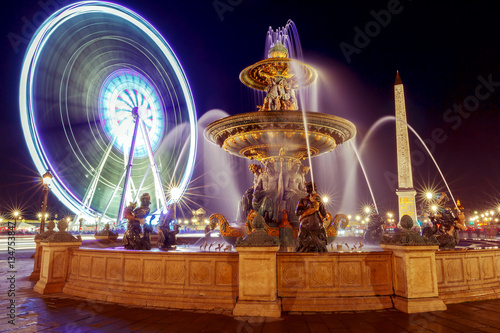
(405,191)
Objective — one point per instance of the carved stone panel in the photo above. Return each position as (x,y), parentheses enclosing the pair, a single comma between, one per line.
(152,271)
(200,273)
(454,270)
(321,274)
(472,268)
(175,271)
(98,267)
(439,271)
(226,273)
(422,281)
(114,269)
(488,267)
(133,271)
(350,273)
(293,274)
(59,265)
(85,266)
(379,273)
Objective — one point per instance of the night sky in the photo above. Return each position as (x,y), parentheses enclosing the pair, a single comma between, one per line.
(447,54)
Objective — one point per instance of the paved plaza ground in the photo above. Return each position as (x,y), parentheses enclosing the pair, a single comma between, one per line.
(60,313)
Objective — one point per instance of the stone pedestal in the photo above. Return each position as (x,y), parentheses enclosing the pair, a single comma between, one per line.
(257,282)
(54,266)
(415,279)
(35,275)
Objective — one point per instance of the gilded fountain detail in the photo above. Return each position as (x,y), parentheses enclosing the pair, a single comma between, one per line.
(279,137)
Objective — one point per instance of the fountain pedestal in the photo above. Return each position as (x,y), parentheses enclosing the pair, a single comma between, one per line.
(54,266)
(35,275)
(257,283)
(415,278)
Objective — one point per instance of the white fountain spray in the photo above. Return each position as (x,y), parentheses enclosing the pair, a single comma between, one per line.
(392,118)
(288,36)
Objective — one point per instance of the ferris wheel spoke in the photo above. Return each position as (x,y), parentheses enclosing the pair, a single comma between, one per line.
(128,103)
(156,174)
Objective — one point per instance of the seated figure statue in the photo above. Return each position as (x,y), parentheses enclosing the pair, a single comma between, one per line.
(135,238)
(312,235)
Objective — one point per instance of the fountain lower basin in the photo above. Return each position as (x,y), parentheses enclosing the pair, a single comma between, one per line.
(261,135)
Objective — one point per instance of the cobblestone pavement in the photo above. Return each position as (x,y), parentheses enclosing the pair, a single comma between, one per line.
(61,313)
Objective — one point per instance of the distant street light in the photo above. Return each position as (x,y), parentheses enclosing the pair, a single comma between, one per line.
(325,199)
(434,208)
(367,210)
(47,181)
(428,195)
(16,216)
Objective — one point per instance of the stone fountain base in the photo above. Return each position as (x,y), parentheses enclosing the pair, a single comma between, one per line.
(325,282)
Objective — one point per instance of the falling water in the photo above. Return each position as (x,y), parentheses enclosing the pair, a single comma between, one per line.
(364,173)
(393,118)
(289,37)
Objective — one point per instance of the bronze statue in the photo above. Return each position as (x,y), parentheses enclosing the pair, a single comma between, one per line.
(374,231)
(294,188)
(445,228)
(265,193)
(312,235)
(135,238)
(166,236)
(245,205)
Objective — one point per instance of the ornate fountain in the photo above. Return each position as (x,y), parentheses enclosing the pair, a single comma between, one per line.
(279,137)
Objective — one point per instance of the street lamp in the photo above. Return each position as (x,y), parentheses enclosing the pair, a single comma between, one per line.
(428,195)
(367,210)
(47,181)
(16,216)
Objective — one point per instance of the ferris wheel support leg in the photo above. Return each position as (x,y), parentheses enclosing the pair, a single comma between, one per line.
(89,196)
(140,185)
(114,193)
(160,193)
(129,165)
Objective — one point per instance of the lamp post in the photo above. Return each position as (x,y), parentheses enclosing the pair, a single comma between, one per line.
(16,216)
(47,180)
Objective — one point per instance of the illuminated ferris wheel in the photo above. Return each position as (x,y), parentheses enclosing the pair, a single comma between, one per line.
(106,106)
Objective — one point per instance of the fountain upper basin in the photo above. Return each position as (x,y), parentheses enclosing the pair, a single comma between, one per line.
(263,134)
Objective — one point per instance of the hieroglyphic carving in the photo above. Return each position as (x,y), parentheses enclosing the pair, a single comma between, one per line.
(405,191)
(405,179)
